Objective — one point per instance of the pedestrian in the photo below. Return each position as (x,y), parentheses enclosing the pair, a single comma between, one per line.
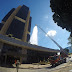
(15,61)
(17,64)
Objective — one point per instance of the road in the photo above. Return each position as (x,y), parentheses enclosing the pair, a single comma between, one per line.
(66,67)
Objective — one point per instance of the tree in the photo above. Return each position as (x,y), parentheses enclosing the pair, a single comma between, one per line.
(62,13)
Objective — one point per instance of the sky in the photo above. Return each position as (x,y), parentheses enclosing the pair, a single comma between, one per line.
(41,15)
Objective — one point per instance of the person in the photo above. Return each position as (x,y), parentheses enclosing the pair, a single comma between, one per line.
(17,64)
(15,61)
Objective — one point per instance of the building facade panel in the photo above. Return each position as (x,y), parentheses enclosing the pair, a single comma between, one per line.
(9,48)
(29,27)
(23,12)
(1,25)
(37,56)
(28,37)
(16,28)
(7,16)
(28,55)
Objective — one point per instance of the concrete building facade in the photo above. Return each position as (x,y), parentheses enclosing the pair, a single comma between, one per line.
(14,36)
(17,24)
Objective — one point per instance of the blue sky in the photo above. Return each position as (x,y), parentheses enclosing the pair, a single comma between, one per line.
(42,15)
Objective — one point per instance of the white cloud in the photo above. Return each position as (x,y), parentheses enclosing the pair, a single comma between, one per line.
(51,33)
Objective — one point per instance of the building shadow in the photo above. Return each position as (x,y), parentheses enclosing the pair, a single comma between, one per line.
(50,67)
(6,65)
(30,68)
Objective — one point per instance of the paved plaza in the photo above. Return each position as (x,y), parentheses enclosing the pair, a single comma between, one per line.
(66,67)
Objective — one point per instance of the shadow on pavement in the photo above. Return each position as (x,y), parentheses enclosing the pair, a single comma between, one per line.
(30,68)
(50,67)
(11,66)
(7,65)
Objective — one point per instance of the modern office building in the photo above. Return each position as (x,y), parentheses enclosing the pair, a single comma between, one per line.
(14,36)
(18,23)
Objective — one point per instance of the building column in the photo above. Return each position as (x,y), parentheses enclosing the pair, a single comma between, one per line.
(5,59)
(24,38)
(9,20)
(20,59)
(24,59)
(1,46)
(24,52)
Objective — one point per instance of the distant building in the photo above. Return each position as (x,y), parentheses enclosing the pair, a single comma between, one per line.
(70,49)
(14,36)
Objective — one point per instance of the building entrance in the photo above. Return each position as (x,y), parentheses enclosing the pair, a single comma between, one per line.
(11,59)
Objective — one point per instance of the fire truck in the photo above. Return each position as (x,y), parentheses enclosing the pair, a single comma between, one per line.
(56,60)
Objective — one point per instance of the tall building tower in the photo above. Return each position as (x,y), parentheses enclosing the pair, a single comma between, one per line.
(17,23)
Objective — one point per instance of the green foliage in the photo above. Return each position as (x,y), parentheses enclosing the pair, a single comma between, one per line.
(69,53)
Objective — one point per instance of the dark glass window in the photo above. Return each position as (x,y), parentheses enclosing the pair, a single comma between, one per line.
(1,25)
(29,27)
(16,29)
(23,12)
(10,48)
(28,37)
